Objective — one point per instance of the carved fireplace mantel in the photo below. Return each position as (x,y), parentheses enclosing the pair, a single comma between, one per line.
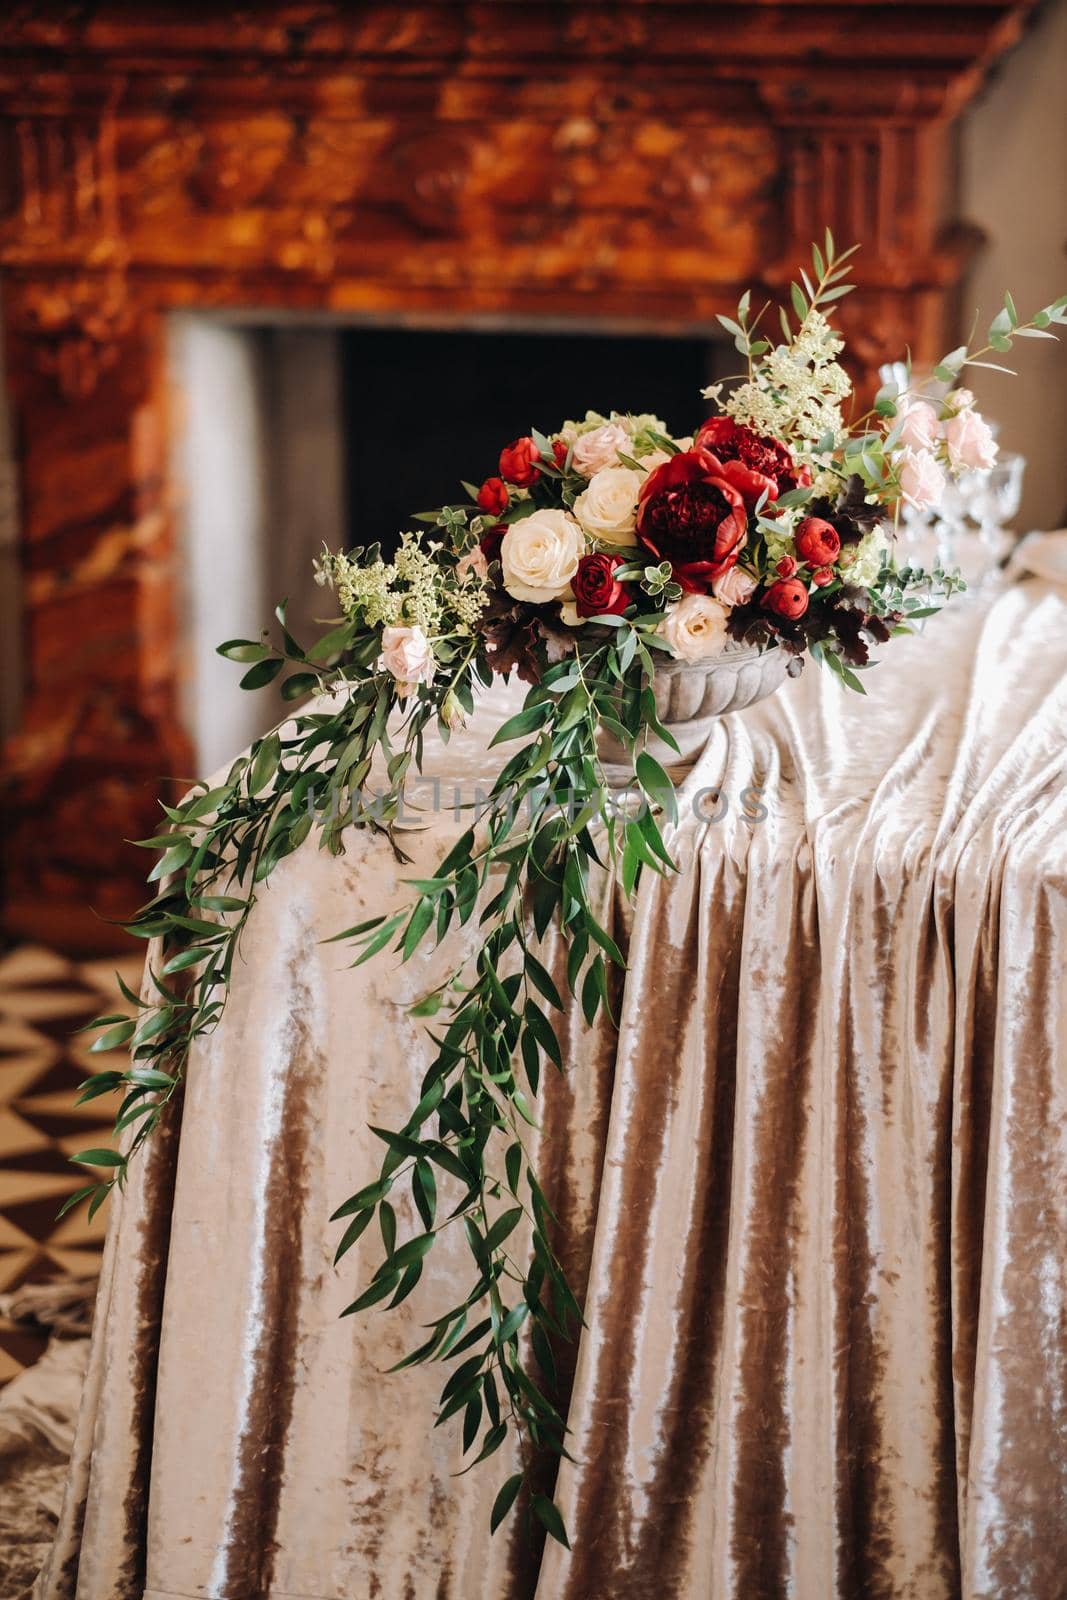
(631,160)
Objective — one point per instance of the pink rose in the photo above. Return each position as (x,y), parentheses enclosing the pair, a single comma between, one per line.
(599,448)
(970,440)
(406,653)
(922,479)
(733,587)
(473,561)
(918,425)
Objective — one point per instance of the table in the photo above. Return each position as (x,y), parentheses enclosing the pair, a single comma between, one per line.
(814,1191)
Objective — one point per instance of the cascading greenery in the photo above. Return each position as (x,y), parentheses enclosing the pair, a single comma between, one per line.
(551,817)
(489,1019)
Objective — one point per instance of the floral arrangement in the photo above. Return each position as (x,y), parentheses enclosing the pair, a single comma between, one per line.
(595,553)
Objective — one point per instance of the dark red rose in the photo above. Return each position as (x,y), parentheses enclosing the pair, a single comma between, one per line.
(787,598)
(518,462)
(691,515)
(732,441)
(818,542)
(597,591)
(559,450)
(822,576)
(491,540)
(493,496)
(786,568)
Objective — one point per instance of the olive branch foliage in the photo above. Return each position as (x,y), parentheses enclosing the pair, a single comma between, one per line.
(548,822)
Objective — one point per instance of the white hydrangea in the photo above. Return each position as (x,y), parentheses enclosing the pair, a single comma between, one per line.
(825,484)
(866,561)
(633,423)
(779,542)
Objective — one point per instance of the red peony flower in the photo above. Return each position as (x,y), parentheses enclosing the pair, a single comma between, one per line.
(787,598)
(559,450)
(818,542)
(786,568)
(493,496)
(491,540)
(691,515)
(597,591)
(822,576)
(765,458)
(518,462)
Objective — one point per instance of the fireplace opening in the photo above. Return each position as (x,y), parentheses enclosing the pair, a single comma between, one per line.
(297,433)
(424,408)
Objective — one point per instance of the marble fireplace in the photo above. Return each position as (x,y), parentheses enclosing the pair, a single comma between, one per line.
(190,190)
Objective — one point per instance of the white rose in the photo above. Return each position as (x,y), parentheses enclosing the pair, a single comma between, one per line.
(734,586)
(960,400)
(406,653)
(540,555)
(600,448)
(695,627)
(922,479)
(970,440)
(608,508)
(919,426)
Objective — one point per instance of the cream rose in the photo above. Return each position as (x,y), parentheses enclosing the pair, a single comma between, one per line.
(540,555)
(407,654)
(922,479)
(970,440)
(608,508)
(600,448)
(695,627)
(734,586)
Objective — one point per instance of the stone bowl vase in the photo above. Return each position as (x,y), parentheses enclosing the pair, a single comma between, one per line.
(690,695)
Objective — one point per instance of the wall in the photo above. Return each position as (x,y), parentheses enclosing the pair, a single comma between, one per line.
(10,575)
(222,526)
(259,465)
(1013,171)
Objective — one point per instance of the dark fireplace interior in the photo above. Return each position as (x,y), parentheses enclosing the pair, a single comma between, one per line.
(423,408)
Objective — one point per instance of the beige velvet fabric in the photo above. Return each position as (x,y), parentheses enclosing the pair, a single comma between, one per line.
(815,1191)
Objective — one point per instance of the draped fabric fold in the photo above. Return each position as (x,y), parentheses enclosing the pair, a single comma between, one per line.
(814,1191)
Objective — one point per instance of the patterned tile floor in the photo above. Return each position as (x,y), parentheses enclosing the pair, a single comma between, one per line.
(44,997)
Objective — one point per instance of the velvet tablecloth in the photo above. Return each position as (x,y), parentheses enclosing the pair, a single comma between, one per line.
(814,1191)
